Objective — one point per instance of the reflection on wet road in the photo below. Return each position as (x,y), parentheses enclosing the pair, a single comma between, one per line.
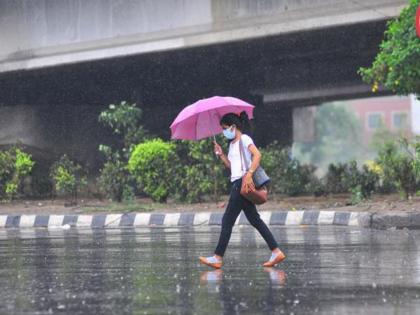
(329,270)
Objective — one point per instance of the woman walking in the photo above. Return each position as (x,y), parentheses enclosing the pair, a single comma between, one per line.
(234,127)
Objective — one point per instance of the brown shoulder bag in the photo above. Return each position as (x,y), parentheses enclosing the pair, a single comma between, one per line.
(257,196)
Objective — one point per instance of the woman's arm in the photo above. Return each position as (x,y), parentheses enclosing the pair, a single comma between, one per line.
(225,160)
(219,152)
(256,158)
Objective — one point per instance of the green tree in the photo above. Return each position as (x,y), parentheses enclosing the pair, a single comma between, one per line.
(124,120)
(397,65)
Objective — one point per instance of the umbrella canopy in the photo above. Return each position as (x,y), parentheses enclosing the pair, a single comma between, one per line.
(202,119)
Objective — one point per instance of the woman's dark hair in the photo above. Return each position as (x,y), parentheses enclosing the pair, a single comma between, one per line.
(241,121)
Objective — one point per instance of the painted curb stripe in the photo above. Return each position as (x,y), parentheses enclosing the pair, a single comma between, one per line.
(3,220)
(70,220)
(171,219)
(215,219)
(98,221)
(310,217)
(127,219)
(278,218)
(294,217)
(41,220)
(326,217)
(157,219)
(341,218)
(307,217)
(56,220)
(12,221)
(142,219)
(84,220)
(354,219)
(202,218)
(186,219)
(113,220)
(27,220)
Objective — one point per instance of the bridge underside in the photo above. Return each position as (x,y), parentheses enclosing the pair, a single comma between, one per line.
(275,73)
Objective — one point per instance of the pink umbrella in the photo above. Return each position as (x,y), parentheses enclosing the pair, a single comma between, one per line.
(201,119)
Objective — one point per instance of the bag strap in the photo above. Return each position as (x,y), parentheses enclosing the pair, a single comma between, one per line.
(242,154)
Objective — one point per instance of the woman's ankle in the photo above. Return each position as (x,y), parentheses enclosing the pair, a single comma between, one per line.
(276,250)
(218,257)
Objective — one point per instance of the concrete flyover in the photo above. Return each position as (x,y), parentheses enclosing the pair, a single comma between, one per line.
(67,60)
(44,33)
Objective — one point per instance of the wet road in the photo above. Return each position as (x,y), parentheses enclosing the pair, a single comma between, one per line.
(329,270)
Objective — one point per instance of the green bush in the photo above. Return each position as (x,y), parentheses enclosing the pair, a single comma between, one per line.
(14,166)
(40,185)
(400,161)
(201,172)
(68,177)
(299,178)
(346,177)
(115,181)
(287,175)
(362,182)
(152,163)
(337,179)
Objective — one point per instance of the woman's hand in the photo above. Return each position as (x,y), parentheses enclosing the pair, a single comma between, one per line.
(219,153)
(217,149)
(249,183)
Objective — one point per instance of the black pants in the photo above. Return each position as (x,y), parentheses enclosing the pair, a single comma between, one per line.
(233,209)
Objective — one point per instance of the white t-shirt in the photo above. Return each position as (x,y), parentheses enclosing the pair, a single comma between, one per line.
(234,158)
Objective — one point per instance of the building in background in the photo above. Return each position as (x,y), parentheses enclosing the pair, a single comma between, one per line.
(339,132)
(394,113)
(415,115)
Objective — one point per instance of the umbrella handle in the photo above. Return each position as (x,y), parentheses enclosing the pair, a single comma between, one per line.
(214,138)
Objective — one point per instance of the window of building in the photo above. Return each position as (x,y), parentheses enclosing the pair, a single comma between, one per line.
(375,120)
(400,120)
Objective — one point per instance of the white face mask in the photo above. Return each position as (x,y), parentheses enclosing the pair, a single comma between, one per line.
(229,133)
